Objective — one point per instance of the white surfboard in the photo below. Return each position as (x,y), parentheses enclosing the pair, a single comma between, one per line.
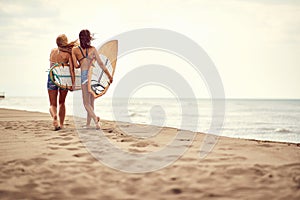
(98,81)
(60,75)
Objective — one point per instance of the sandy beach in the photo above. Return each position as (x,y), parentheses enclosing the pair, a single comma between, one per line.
(39,163)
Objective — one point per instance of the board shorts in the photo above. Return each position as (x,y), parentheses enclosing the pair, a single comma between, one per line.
(51,85)
(84,77)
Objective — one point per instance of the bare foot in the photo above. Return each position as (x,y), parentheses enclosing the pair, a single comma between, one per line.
(61,125)
(55,123)
(50,111)
(98,123)
(87,126)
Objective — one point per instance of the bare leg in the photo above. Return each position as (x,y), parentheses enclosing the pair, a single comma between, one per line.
(53,106)
(88,107)
(88,118)
(91,100)
(62,107)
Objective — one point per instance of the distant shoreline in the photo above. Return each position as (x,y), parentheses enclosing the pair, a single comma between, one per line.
(268,120)
(166,98)
(110,121)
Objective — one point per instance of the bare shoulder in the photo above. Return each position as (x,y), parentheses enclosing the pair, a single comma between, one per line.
(94,49)
(75,49)
(52,55)
(54,50)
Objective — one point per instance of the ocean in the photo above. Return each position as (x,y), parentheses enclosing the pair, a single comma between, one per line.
(269,120)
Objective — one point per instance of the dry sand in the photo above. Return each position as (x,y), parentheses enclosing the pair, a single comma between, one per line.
(38,163)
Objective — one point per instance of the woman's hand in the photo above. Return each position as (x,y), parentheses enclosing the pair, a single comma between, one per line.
(72,88)
(110,79)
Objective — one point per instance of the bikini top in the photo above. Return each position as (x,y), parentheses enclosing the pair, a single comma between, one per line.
(84,56)
(52,63)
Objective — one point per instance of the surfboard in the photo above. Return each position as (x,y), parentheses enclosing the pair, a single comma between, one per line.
(60,75)
(98,81)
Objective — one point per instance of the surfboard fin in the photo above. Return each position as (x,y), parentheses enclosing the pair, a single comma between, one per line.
(95,88)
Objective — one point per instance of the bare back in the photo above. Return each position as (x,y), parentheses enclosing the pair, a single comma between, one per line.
(57,56)
(84,57)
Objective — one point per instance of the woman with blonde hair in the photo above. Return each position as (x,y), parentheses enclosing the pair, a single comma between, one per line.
(62,55)
(83,57)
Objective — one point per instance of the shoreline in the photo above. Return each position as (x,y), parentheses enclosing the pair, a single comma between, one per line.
(39,163)
(242,138)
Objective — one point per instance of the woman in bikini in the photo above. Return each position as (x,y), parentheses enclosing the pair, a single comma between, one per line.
(83,57)
(62,54)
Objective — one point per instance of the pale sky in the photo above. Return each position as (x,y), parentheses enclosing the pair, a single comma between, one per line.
(255,44)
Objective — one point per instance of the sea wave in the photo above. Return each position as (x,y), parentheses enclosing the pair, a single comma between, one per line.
(283,130)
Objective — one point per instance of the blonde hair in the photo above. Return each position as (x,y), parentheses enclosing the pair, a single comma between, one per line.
(62,40)
(63,45)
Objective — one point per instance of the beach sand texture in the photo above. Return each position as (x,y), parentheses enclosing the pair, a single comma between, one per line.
(39,163)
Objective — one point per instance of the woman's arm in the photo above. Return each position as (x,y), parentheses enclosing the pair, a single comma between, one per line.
(50,57)
(100,63)
(74,59)
(72,72)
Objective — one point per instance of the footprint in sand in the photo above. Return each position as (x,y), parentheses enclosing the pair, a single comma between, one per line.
(176,190)
(64,144)
(126,140)
(73,149)
(108,130)
(62,133)
(80,155)
(54,148)
(236,158)
(81,190)
(53,138)
(140,144)
(27,162)
(28,186)
(67,138)
(137,150)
